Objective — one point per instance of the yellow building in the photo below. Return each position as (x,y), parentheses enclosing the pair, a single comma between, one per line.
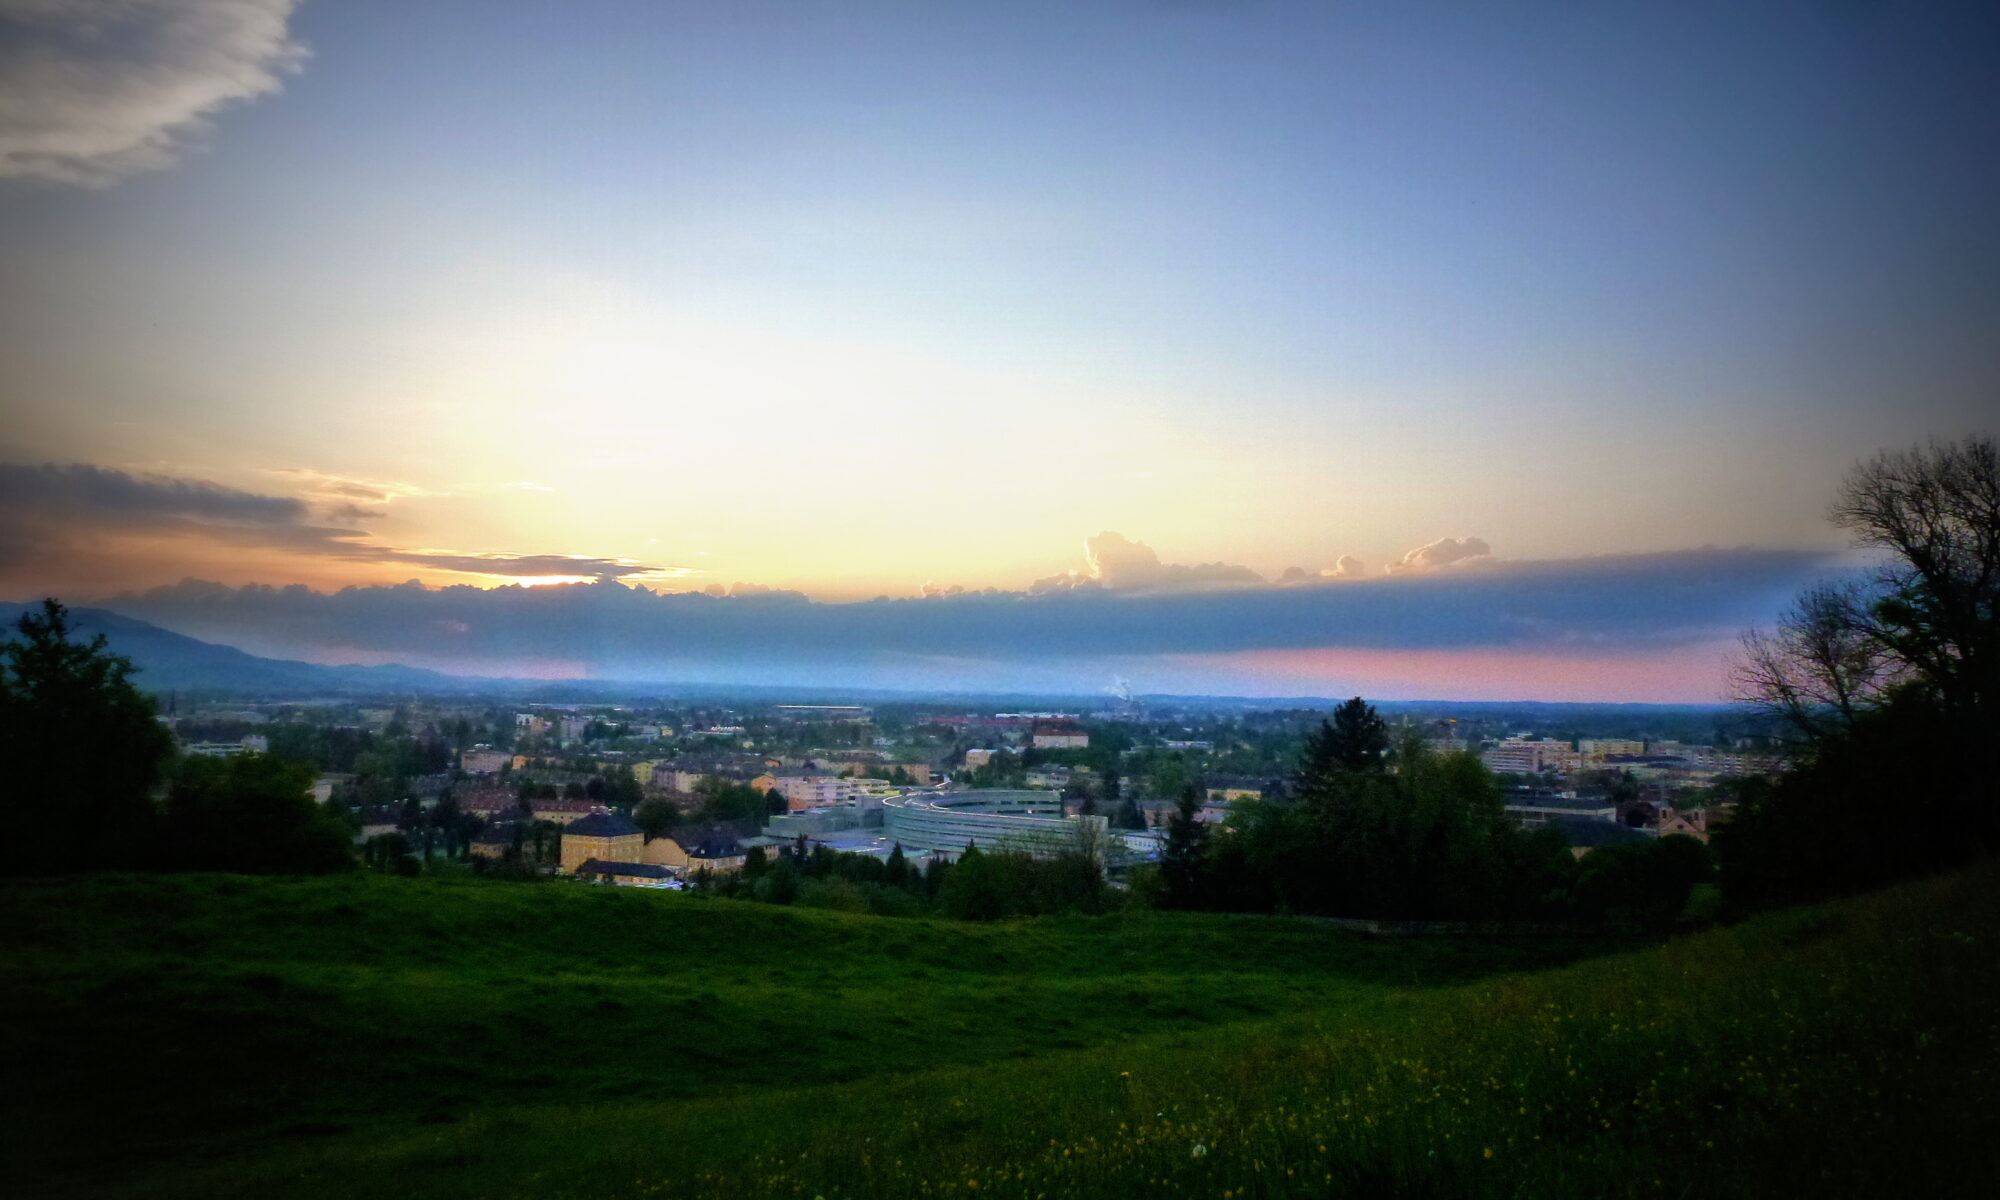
(687,851)
(606,837)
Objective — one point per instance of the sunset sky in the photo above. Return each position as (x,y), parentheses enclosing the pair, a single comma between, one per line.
(1482,350)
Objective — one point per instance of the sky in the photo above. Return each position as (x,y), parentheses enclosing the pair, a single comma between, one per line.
(1458,350)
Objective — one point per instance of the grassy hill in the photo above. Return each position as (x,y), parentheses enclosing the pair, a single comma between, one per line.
(360,1036)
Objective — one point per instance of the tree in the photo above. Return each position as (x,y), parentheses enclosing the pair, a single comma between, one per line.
(1926,617)
(253,813)
(1355,740)
(976,889)
(74,729)
(655,817)
(1181,858)
(1646,882)
(1886,687)
(1936,511)
(1820,670)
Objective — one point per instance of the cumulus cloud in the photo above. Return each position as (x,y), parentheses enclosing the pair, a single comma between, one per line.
(1345,567)
(94,90)
(1444,552)
(1117,562)
(48,508)
(759,591)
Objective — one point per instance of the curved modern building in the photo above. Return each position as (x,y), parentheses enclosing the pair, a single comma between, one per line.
(990,818)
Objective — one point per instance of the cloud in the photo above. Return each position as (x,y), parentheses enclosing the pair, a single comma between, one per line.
(326,486)
(83,489)
(1117,562)
(1444,552)
(94,90)
(1348,567)
(761,591)
(1613,606)
(51,509)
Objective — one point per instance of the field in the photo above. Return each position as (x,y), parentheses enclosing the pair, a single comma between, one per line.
(361,1036)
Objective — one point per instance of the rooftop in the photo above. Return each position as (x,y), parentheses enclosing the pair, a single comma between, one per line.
(601,824)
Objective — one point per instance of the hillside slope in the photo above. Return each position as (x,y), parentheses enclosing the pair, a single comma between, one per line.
(349,1037)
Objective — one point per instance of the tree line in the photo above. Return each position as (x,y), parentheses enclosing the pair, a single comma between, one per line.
(1373,828)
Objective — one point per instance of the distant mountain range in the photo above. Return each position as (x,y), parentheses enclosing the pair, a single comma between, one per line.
(173,662)
(169,661)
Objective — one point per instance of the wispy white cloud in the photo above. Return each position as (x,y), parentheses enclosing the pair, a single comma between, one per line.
(94,90)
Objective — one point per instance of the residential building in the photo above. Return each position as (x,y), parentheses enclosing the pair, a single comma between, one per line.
(811,787)
(1055,777)
(1226,789)
(1059,735)
(717,849)
(565,812)
(484,760)
(1598,749)
(495,841)
(1524,756)
(1692,822)
(488,802)
(605,836)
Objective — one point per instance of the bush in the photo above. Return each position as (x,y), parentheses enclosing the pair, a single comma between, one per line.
(1641,883)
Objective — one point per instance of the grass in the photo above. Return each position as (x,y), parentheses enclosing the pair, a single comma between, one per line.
(207,1036)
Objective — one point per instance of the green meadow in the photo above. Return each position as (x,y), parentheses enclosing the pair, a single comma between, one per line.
(366,1036)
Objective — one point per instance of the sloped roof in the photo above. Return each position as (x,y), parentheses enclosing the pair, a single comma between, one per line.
(720,839)
(603,824)
(1590,832)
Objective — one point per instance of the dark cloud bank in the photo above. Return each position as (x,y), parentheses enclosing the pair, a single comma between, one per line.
(43,506)
(1608,605)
